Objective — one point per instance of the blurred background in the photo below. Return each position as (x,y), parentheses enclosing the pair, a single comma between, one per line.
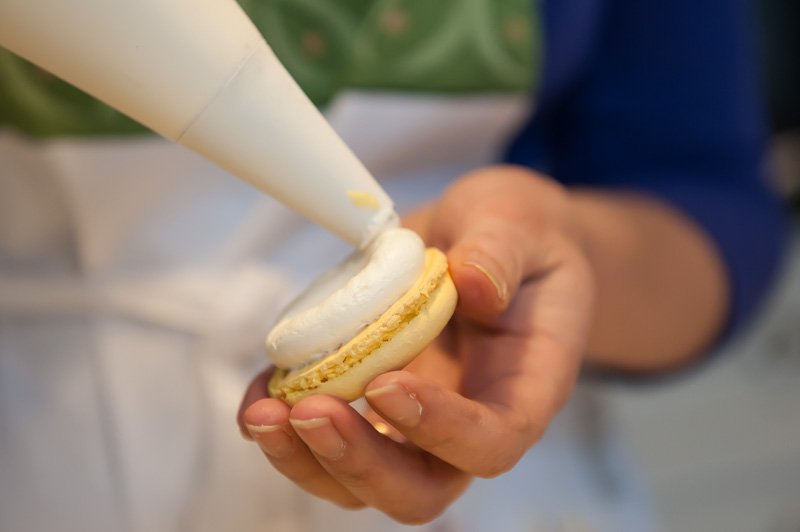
(714,450)
(720,449)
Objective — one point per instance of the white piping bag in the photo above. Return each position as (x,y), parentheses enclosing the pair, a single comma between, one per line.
(198,72)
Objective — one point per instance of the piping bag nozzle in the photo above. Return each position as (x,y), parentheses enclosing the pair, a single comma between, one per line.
(199,72)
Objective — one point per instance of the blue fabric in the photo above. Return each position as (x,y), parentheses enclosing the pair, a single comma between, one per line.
(664,98)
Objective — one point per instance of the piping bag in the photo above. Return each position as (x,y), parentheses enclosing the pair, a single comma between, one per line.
(198,72)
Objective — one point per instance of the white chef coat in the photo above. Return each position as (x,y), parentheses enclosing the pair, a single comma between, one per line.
(136,284)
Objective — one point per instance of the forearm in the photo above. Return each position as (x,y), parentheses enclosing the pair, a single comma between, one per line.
(662,292)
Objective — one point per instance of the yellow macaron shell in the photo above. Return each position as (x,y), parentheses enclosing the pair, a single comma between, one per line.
(389,343)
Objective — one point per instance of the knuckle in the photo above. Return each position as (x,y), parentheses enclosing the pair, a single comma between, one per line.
(359,477)
(440,440)
(440,444)
(304,476)
(527,429)
(498,465)
(522,432)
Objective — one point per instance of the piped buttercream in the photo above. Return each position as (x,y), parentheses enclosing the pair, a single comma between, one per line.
(339,304)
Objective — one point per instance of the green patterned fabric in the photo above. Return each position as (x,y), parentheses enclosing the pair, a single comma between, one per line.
(450,46)
(37,103)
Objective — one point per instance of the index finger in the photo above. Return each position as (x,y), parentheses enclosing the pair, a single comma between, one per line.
(486,433)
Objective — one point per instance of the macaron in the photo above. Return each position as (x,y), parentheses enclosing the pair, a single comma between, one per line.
(389,342)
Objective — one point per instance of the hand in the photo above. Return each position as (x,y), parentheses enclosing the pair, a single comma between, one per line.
(478,398)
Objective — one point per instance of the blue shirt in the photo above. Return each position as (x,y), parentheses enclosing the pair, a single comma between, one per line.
(663,98)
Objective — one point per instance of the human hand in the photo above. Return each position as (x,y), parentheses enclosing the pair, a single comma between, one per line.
(478,398)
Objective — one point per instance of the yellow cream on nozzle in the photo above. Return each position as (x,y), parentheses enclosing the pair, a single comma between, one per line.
(364,200)
(198,72)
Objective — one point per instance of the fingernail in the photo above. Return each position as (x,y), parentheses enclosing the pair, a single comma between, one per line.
(397,404)
(321,436)
(499,286)
(272,439)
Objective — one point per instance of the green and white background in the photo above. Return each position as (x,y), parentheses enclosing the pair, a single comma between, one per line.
(423,46)
(116,255)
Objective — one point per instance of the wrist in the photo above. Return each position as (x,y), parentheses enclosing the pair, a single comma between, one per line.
(661,287)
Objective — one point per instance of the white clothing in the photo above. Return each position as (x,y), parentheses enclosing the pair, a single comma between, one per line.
(137,283)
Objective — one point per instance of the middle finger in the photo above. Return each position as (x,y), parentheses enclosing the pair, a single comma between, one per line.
(267,421)
(406,483)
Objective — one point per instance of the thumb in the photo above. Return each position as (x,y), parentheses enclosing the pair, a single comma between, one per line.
(491,229)
(486,264)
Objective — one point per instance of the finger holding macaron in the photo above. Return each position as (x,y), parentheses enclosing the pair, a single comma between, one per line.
(330,450)
(373,313)
(402,481)
(480,395)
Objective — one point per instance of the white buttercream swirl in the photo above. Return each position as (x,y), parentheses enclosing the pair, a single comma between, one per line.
(340,303)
